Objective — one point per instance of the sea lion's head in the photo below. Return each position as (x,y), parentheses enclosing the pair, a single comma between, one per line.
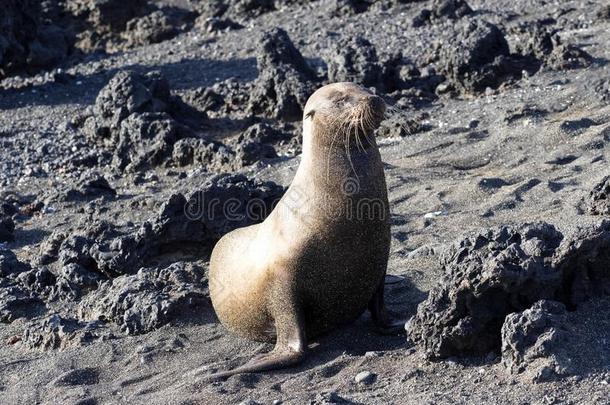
(343,113)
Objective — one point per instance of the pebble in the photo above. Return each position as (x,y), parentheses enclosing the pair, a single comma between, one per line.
(365,377)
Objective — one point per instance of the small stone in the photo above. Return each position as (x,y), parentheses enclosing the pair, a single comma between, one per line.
(365,377)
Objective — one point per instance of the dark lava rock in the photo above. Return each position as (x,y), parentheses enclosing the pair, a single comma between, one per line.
(492,183)
(567,56)
(442,10)
(7,228)
(9,264)
(584,262)
(248,200)
(147,300)
(240,10)
(354,59)
(26,41)
(487,276)
(49,248)
(196,222)
(150,29)
(213,156)
(215,24)
(478,57)
(91,185)
(534,341)
(132,118)
(56,332)
(100,22)
(251,152)
(285,81)
(147,140)
(16,302)
(126,93)
(535,40)
(401,126)
(493,273)
(599,198)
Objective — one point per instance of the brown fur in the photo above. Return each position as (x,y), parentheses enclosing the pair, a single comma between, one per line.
(316,261)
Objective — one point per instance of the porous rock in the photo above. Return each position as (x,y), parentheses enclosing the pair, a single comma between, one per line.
(133,117)
(567,56)
(27,42)
(478,57)
(354,59)
(534,342)
(126,93)
(90,185)
(16,302)
(583,259)
(145,301)
(487,276)
(56,332)
(7,228)
(285,81)
(599,198)
(9,264)
(503,270)
(195,221)
(442,10)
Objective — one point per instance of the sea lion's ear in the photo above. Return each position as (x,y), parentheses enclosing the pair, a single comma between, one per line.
(310,114)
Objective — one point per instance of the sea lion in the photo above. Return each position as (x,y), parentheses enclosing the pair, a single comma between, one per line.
(320,257)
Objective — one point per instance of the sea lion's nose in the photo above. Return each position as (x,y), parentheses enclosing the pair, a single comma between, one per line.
(376,103)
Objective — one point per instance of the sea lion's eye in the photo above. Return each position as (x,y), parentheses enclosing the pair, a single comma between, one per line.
(310,114)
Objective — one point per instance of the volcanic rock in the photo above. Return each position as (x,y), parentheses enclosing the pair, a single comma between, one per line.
(599,198)
(145,301)
(535,341)
(285,81)
(487,276)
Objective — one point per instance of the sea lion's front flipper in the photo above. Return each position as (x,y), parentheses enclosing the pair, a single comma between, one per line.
(291,342)
(385,324)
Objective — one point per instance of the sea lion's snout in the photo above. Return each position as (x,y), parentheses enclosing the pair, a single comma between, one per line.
(377,104)
(374,111)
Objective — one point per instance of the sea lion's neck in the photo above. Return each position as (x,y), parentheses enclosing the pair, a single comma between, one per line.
(328,165)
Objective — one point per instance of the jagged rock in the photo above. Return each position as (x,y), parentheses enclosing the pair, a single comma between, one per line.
(240,10)
(150,29)
(195,221)
(99,23)
(534,341)
(599,198)
(7,228)
(91,185)
(147,140)
(215,24)
(354,59)
(487,276)
(285,81)
(27,42)
(9,264)
(442,10)
(567,56)
(478,57)
(503,270)
(135,117)
(56,332)
(126,93)
(147,300)
(16,302)
(584,262)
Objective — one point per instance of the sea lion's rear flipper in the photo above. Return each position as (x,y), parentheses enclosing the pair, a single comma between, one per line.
(291,343)
(385,324)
